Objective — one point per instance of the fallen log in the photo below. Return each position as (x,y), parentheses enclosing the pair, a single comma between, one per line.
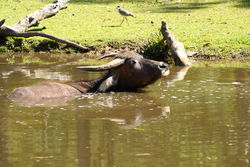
(175,47)
(20,29)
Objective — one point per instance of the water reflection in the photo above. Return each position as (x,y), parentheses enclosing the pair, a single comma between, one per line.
(209,123)
(43,73)
(111,107)
(177,74)
(43,102)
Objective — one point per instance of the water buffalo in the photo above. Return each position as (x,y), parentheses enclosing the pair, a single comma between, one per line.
(128,71)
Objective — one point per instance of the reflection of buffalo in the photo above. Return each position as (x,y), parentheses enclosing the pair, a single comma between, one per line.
(128,113)
(128,71)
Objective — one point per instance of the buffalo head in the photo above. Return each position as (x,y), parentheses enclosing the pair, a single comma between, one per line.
(128,71)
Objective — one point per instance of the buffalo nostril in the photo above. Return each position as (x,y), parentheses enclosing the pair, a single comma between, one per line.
(163,65)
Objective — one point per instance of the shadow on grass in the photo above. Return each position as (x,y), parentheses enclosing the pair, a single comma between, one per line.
(183,7)
(11,43)
(243,4)
(105,1)
(112,26)
(45,45)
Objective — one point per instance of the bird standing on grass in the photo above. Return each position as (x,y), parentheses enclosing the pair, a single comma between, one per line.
(124,14)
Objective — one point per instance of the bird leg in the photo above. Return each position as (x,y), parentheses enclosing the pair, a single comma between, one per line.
(122,21)
(126,20)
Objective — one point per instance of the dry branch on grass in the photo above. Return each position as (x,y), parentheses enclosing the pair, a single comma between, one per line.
(176,48)
(32,20)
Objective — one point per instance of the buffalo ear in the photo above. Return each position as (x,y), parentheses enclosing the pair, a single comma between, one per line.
(108,83)
(2,22)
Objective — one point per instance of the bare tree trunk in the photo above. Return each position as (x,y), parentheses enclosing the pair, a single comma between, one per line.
(32,20)
(176,47)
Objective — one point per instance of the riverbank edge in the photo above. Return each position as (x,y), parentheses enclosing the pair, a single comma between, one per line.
(151,48)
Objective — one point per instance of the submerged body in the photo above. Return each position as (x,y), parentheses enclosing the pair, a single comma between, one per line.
(45,90)
(128,71)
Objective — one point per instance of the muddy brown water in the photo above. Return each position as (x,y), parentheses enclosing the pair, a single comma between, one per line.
(198,116)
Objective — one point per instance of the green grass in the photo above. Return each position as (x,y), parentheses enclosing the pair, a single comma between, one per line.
(222,63)
(224,25)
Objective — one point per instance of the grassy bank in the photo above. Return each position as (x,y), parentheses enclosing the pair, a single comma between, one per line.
(212,27)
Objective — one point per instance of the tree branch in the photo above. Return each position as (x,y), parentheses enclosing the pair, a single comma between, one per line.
(32,34)
(33,19)
(176,47)
(20,29)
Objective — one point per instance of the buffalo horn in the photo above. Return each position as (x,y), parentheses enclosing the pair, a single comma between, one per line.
(115,63)
(109,55)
